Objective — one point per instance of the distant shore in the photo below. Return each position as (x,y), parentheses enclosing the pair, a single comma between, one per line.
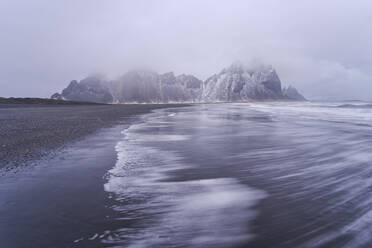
(29,101)
(34,131)
(39,126)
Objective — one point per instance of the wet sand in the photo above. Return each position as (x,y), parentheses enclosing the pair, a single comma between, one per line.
(29,132)
(62,199)
(57,200)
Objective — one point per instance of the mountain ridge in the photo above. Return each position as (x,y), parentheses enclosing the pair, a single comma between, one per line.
(236,83)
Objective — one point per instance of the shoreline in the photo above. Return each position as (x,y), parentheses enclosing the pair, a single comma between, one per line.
(32,132)
(64,194)
(61,199)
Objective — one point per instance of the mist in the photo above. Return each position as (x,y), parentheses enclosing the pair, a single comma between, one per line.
(321,47)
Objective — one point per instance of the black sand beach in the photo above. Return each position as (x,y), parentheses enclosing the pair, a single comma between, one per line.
(32,131)
(256,175)
(59,198)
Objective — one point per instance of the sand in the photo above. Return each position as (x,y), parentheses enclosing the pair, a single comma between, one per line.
(29,132)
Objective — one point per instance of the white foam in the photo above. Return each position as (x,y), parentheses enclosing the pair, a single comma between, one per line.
(194,213)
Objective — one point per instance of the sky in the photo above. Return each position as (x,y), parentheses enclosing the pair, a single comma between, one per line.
(322,47)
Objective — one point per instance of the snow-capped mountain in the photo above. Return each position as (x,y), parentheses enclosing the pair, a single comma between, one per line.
(233,84)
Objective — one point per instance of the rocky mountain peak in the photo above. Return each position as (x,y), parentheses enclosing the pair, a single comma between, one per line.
(73,83)
(236,67)
(239,82)
(291,92)
(168,78)
(236,82)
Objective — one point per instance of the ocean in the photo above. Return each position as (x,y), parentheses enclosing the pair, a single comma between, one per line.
(246,175)
(270,174)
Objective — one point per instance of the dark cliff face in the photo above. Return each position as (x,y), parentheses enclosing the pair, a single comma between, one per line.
(235,83)
(189,81)
(171,89)
(150,87)
(291,92)
(90,89)
(137,86)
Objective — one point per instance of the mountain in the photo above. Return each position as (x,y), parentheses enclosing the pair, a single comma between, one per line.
(150,87)
(291,92)
(90,89)
(233,84)
(239,83)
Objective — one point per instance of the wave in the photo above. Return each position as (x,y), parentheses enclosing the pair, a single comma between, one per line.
(196,213)
(185,180)
(355,106)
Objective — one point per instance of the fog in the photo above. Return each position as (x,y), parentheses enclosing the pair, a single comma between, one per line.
(321,47)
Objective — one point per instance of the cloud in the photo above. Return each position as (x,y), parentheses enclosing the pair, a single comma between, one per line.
(321,47)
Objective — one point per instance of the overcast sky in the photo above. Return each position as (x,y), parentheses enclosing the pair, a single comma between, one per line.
(324,48)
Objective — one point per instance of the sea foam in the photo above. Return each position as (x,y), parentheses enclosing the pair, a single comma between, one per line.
(194,213)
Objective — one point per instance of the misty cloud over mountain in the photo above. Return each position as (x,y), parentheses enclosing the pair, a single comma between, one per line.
(323,48)
(235,83)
